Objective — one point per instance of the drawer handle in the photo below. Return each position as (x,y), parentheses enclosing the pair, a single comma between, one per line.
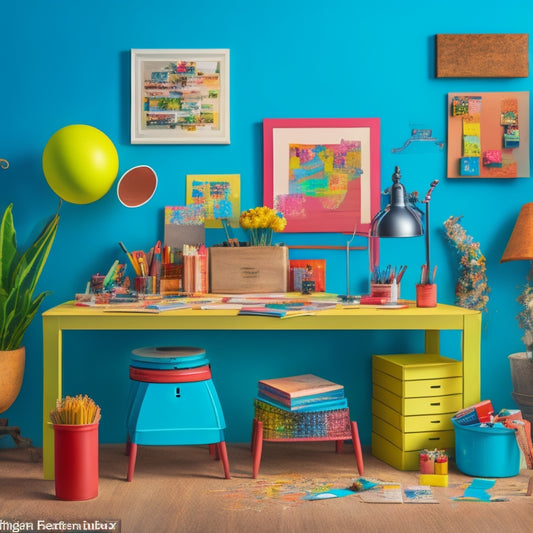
(434,438)
(435,403)
(434,387)
(435,422)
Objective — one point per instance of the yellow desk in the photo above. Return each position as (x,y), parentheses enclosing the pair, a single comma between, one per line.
(431,320)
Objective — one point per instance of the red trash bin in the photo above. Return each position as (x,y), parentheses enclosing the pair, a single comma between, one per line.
(76,461)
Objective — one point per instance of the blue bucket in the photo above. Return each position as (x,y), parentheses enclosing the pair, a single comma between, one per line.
(484,451)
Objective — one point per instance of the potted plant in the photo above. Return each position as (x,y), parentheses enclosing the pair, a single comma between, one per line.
(19,274)
(522,362)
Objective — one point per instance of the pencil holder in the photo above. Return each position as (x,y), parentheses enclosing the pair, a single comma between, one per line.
(144,285)
(383,290)
(76,461)
(426,295)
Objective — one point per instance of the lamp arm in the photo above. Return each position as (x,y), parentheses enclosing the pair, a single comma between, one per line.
(426,200)
(428,274)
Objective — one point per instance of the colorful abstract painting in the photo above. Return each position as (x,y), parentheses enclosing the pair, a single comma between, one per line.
(488,135)
(323,174)
(218,195)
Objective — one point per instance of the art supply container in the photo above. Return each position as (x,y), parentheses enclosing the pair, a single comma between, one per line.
(485,451)
(144,285)
(76,461)
(427,463)
(383,290)
(426,295)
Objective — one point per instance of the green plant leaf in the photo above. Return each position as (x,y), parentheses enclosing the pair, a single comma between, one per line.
(19,276)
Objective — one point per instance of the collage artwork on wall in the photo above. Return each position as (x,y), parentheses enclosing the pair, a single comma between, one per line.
(180,96)
(488,135)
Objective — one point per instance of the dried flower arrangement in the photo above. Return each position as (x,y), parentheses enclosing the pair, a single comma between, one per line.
(261,223)
(471,290)
(525,317)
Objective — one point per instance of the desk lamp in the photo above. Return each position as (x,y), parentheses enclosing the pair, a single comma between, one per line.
(398,219)
(520,245)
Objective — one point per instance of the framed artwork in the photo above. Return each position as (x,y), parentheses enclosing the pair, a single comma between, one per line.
(219,196)
(488,135)
(323,174)
(180,96)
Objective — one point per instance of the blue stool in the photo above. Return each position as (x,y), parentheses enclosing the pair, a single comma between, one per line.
(173,401)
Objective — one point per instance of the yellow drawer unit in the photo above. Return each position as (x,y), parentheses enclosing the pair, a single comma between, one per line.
(392,455)
(427,405)
(418,387)
(410,424)
(416,441)
(414,398)
(407,367)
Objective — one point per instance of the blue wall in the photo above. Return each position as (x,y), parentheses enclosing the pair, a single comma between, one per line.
(68,63)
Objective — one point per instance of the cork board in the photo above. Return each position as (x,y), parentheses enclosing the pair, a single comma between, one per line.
(487,55)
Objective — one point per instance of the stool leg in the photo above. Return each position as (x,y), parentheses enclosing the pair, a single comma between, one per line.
(338,446)
(357,449)
(131,462)
(254,430)
(223,453)
(213,450)
(258,448)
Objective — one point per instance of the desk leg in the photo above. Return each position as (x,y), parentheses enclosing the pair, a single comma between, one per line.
(52,369)
(471,359)
(432,341)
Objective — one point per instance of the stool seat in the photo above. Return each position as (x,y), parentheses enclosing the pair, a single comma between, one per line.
(173,401)
(169,357)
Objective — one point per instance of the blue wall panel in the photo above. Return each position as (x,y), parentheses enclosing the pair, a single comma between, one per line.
(69,63)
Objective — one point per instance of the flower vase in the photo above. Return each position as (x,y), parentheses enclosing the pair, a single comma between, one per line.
(261,236)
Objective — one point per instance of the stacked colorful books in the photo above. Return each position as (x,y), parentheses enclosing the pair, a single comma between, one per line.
(302,407)
(302,393)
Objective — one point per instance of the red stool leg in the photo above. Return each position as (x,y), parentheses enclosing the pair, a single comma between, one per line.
(357,449)
(258,448)
(338,446)
(213,450)
(254,430)
(223,453)
(131,462)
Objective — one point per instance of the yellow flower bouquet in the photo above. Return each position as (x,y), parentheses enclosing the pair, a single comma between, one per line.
(261,222)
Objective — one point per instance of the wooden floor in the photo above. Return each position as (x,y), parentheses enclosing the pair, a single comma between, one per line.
(182,490)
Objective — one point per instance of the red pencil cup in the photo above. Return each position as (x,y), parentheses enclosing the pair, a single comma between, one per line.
(76,461)
(426,295)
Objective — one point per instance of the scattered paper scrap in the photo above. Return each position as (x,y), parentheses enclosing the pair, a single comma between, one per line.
(419,494)
(384,492)
(477,491)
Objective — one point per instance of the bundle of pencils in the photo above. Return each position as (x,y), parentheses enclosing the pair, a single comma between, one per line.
(75,410)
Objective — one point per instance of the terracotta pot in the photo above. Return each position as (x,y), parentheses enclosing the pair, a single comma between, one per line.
(11,374)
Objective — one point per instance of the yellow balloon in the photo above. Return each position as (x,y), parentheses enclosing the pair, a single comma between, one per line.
(80,163)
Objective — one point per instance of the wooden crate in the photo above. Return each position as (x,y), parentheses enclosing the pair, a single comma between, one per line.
(259,269)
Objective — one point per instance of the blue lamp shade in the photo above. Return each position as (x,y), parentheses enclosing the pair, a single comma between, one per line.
(398,219)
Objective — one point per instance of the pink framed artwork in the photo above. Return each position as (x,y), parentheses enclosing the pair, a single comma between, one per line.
(323,174)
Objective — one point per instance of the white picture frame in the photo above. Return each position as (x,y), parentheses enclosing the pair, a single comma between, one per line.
(180,96)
